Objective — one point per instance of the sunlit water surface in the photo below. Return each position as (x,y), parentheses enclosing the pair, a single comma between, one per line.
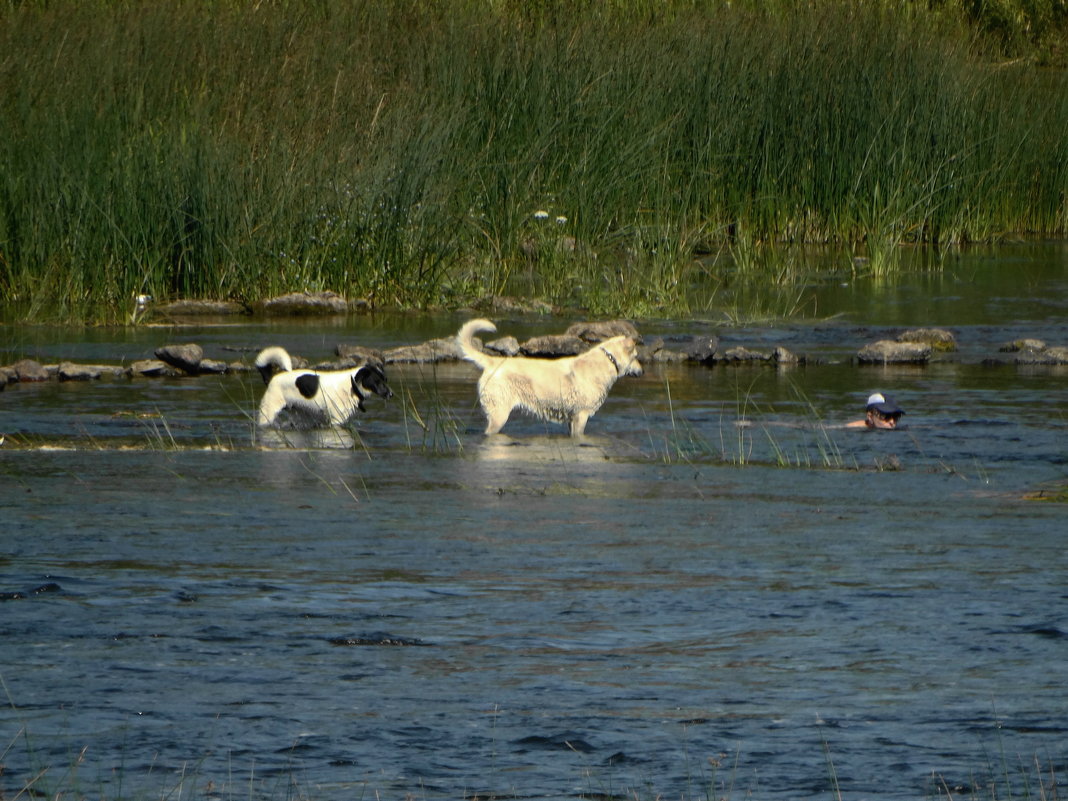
(719,593)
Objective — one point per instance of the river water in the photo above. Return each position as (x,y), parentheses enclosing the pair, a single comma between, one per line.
(719,594)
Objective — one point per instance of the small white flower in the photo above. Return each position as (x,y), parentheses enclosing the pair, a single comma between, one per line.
(541,214)
(561,220)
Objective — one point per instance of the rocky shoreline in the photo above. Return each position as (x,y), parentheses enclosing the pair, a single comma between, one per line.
(917,346)
(914,347)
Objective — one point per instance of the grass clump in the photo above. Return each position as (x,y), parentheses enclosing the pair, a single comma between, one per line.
(1055,493)
(400,151)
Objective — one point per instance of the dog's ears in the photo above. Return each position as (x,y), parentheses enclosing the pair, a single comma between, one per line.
(268,371)
(356,390)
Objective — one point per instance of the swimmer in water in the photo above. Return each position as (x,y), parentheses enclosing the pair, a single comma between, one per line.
(880,412)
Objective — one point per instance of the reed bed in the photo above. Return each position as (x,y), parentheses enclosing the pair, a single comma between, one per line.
(631,158)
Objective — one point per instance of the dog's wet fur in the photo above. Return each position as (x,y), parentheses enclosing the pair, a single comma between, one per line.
(567,390)
(327,396)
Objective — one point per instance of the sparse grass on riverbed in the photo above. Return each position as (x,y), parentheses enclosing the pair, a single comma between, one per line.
(720,779)
(628,157)
(1055,493)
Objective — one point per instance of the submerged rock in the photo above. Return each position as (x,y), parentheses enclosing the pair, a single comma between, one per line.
(888,464)
(740,355)
(68,371)
(1023,344)
(911,347)
(354,355)
(435,350)
(505,346)
(553,345)
(649,351)
(27,370)
(938,338)
(886,351)
(565,741)
(378,639)
(1058,354)
(21,595)
(662,356)
(1049,355)
(600,331)
(1031,351)
(213,367)
(306,303)
(200,308)
(784,357)
(152,368)
(186,358)
(702,349)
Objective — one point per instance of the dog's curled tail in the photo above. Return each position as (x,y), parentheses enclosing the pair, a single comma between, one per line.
(467,344)
(271,361)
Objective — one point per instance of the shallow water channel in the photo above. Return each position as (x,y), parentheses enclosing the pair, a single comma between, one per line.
(719,593)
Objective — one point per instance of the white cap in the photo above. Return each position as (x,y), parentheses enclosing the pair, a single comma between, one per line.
(883,404)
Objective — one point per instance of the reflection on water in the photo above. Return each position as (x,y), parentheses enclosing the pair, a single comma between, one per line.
(678,605)
(306,438)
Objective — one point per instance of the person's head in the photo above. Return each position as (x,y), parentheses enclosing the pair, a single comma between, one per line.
(882,412)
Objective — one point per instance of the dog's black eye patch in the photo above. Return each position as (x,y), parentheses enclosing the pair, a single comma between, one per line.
(308,384)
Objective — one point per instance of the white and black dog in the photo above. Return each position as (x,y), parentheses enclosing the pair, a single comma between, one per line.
(329,396)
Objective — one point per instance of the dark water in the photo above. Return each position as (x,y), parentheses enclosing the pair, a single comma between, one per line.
(681,606)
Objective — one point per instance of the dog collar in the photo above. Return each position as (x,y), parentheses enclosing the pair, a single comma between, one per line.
(611,358)
(360,397)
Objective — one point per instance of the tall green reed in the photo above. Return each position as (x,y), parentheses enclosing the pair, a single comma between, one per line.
(398,151)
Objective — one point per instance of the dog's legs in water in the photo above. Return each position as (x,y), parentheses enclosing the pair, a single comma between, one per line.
(578,423)
(496,417)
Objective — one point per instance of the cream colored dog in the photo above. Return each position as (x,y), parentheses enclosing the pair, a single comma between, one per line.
(330,396)
(567,390)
